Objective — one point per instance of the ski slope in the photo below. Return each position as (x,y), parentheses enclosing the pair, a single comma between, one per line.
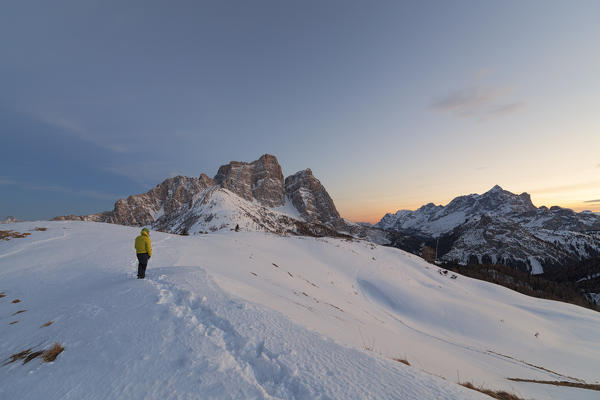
(252,315)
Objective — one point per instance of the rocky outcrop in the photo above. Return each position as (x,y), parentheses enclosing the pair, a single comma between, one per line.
(311,199)
(167,198)
(260,180)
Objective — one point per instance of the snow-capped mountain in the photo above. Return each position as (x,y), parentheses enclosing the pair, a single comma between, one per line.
(9,220)
(253,315)
(252,196)
(501,227)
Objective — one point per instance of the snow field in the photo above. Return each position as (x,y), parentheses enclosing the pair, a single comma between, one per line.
(254,315)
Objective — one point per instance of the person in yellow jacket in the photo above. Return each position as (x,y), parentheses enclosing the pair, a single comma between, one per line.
(143,249)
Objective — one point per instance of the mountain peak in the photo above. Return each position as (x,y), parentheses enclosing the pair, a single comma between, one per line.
(260,180)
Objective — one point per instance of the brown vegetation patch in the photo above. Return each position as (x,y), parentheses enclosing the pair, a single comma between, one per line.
(19,312)
(501,395)
(7,235)
(12,323)
(51,354)
(32,356)
(26,355)
(16,301)
(17,356)
(580,385)
(47,324)
(40,229)
(2,295)
(401,360)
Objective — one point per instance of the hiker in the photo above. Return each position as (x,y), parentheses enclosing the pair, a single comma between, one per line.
(143,248)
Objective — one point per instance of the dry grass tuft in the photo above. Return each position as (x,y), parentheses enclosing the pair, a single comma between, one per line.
(401,360)
(47,324)
(7,235)
(500,395)
(51,354)
(12,323)
(32,356)
(19,312)
(580,385)
(2,295)
(15,301)
(17,356)
(40,229)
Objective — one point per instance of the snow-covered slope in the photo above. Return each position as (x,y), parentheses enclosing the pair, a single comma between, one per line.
(502,227)
(256,315)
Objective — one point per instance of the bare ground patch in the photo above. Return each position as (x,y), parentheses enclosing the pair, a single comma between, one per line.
(590,386)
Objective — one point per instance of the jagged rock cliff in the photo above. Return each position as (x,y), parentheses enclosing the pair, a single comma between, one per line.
(310,198)
(252,195)
(260,180)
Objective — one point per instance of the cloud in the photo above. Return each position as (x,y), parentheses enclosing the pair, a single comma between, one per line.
(483,73)
(75,129)
(507,109)
(478,101)
(592,201)
(564,188)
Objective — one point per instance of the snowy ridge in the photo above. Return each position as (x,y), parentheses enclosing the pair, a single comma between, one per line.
(256,315)
(499,226)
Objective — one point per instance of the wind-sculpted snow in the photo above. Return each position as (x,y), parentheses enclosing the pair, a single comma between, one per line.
(253,315)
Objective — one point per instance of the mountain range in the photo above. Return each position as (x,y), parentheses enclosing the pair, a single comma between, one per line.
(497,227)
(249,196)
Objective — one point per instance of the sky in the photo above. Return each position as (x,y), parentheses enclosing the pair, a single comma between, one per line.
(392,104)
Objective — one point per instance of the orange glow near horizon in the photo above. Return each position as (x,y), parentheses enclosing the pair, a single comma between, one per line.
(355,213)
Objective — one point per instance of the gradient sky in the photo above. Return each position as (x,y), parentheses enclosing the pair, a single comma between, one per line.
(391,104)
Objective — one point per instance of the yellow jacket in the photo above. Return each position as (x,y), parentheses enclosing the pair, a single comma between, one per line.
(143,244)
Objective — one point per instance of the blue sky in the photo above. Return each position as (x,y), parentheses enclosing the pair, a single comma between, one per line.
(391,104)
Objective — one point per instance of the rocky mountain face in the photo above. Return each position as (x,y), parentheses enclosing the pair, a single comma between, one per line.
(260,180)
(253,196)
(310,198)
(498,227)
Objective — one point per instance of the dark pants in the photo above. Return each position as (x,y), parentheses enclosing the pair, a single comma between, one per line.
(143,259)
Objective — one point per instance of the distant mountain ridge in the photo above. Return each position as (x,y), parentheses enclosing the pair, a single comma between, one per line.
(500,227)
(252,196)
